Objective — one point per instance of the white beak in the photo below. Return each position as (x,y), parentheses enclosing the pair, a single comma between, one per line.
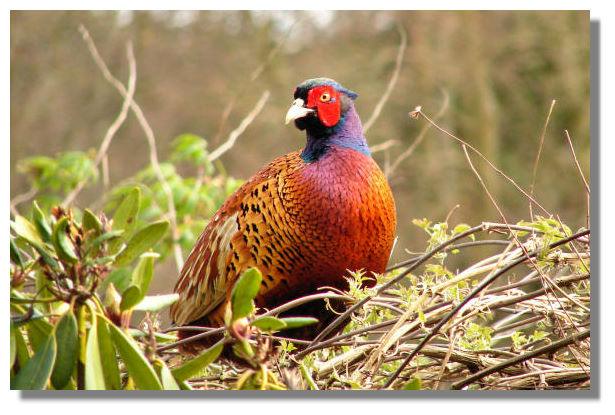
(297,110)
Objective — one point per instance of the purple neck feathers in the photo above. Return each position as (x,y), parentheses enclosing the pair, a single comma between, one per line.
(348,132)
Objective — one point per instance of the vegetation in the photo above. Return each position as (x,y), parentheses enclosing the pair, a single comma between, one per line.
(500,305)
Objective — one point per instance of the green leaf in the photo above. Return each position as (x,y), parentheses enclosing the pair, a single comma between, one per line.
(160,337)
(35,374)
(91,222)
(139,369)
(120,278)
(194,366)
(166,377)
(125,217)
(108,356)
(107,236)
(269,323)
(67,341)
(27,232)
(156,302)
(413,385)
(130,297)
(143,240)
(22,227)
(40,222)
(13,345)
(15,254)
(62,243)
(244,291)
(141,278)
(295,322)
(462,227)
(23,354)
(94,374)
(38,332)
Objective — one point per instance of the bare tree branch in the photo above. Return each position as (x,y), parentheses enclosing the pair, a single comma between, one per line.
(234,135)
(419,139)
(387,93)
(418,111)
(576,161)
(537,160)
(114,127)
(151,140)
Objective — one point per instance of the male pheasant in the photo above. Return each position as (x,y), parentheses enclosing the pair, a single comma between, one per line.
(304,220)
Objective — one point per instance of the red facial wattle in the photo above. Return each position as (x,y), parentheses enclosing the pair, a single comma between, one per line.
(326,100)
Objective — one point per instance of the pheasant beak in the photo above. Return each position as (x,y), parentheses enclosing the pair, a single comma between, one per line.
(297,110)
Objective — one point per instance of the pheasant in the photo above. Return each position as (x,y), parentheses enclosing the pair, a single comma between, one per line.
(304,220)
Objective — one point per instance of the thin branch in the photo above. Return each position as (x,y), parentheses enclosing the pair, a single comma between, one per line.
(341,318)
(234,135)
(387,93)
(253,77)
(537,160)
(573,338)
(21,198)
(151,140)
(114,127)
(576,161)
(419,111)
(419,139)
(476,291)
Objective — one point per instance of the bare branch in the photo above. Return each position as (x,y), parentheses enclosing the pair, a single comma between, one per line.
(537,160)
(114,127)
(387,93)
(418,111)
(21,198)
(576,161)
(526,356)
(234,135)
(419,139)
(151,140)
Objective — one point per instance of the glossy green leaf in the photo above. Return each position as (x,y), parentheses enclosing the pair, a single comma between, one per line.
(160,337)
(40,222)
(22,227)
(269,323)
(194,366)
(120,278)
(244,291)
(12,345)
(94,374)
(125,217)
(27,232)
(141,278)
(166,377)
(295,322)
(108,356)
(139,369)
(62,243)
(16,254)
(38,329)
(143,240)
(68,343)
(23,354)
(156,302)
(35,374)
(91,222)
(105,237)
(130,297)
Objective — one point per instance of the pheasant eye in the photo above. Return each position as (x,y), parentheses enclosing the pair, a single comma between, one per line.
(326,97)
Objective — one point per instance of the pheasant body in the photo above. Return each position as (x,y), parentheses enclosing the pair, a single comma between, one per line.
(304,221)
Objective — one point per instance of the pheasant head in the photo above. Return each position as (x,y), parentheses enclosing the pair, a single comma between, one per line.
(325,110)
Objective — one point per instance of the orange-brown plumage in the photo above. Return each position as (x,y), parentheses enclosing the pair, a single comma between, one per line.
(303,221)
